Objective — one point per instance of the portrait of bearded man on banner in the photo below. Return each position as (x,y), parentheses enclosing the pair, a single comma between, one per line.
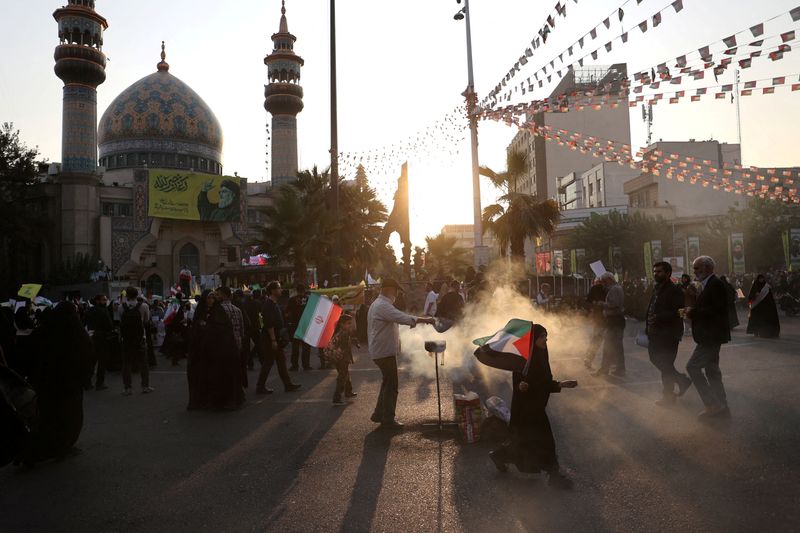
(227,209)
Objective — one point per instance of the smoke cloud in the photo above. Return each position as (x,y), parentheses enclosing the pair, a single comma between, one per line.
(567,337)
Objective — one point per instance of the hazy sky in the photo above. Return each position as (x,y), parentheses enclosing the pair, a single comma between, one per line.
(401,67)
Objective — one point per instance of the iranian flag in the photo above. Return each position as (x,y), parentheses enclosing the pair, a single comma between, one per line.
(318,321)
(509,348)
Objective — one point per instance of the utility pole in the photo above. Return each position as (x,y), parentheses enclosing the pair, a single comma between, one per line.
(334,130)
(472,109)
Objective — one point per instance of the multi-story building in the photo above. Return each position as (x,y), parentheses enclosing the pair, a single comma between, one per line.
(603,184)
(650,192)
(548,161)
(465,238)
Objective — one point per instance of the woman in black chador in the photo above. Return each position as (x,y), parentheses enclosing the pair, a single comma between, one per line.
(65,349)
(532,447)
(198,371)
(763,320)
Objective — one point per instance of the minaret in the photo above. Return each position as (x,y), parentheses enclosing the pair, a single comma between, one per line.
(81,65)
(284,99)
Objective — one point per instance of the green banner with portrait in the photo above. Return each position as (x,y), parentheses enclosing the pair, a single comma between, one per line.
(188,196)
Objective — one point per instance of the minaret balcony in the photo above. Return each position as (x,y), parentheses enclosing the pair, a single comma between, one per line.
(283,104)
(283,89)
(77,51)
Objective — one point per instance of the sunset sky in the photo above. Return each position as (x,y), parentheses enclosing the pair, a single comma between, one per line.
(401,68)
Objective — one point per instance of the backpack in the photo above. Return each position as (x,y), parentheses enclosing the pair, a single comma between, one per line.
(131,324)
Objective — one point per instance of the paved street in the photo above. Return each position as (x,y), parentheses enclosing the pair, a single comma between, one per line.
(292,462)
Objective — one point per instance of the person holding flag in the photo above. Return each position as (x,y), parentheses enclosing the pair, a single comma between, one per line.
(383,335)
(522,348)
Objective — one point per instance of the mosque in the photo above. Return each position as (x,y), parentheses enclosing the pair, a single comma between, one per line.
(144,190)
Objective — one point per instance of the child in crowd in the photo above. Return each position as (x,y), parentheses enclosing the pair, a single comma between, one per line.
(339,353)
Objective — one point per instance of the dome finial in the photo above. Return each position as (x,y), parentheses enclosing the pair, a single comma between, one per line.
(163,66)
(283,7)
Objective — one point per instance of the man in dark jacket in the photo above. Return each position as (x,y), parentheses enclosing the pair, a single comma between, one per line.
(664,331)
(99,323)
(274,340)
(710,330)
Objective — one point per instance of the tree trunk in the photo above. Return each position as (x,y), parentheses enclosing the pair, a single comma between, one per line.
(300,270)
(518,248)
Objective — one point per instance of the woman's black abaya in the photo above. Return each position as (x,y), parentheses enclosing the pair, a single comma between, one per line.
(532,447)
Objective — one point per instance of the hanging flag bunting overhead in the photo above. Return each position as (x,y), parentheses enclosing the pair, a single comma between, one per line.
(495,94)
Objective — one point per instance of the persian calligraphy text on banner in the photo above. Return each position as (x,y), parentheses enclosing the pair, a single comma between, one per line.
(188,196)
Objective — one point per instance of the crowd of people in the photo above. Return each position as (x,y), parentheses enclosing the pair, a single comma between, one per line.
(65,350)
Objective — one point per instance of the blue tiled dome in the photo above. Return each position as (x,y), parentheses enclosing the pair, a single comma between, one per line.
(160,114)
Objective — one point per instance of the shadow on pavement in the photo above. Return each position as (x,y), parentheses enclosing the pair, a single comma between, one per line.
(369,481)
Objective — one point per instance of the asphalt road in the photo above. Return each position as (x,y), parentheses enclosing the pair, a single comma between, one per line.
(293,462)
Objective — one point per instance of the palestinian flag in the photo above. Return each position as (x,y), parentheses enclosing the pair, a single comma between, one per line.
(509,348)
(318,321)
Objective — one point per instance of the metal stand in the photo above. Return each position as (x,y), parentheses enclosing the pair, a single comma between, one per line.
(440,425)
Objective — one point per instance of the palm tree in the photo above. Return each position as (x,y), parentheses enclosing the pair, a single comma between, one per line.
(517,216)
(443,257)
(298,225)
(360,225)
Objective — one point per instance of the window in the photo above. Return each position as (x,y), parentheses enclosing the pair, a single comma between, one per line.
(233,256)
(117,209)
(189,255)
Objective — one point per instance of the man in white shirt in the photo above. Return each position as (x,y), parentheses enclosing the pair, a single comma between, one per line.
(429,309)
(384,346)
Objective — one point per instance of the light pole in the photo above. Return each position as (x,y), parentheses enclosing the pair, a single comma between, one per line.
(334,132)
(472,104)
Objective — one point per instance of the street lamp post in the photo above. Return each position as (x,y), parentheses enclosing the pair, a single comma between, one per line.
(334,131)
(472,104)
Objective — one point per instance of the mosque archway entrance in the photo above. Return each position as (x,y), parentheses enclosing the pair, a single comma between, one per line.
(189,255)
(154,285)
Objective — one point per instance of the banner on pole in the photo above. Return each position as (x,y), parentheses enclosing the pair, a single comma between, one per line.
(558,263)
(736,253)
(543,263)
(656,251)
(580,257)
(616,260)
(794,249)
(648,260)
(692,248)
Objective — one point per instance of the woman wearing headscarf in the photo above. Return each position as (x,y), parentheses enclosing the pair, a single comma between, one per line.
(532,447)
(198,370)
(763,320)
(65,350)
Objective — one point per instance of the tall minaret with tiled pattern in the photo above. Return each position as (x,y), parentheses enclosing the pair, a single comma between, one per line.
(284,100)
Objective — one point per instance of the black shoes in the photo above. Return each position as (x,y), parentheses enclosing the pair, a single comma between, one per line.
(262,390)
(292,387)
(294,368)
(394,425)
(618,373)
(351,395)
(498,463)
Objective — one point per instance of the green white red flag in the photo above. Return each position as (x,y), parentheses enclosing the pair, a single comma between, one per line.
(509,348)
(318,321)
